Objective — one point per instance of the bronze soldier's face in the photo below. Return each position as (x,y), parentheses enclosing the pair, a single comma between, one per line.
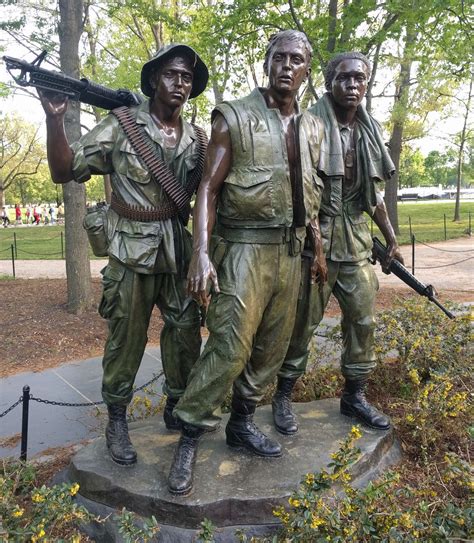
(173,81)
(288,66)
(349,83)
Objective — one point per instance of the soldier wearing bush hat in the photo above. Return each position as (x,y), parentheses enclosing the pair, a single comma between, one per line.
(145,236)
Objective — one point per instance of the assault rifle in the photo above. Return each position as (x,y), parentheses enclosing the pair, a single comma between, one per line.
(379,253)
(80,90)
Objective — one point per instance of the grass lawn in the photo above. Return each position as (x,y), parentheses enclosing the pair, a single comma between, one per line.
(427,224)
(33,242)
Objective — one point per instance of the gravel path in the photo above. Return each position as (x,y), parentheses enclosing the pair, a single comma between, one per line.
(447,265)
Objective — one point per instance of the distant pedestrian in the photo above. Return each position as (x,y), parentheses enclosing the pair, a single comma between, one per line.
(36,215)
(28,215)
(18,214)
(52,214)
(5,219)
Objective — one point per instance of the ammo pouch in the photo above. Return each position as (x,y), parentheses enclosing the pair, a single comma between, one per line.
(95,224)
(297,241)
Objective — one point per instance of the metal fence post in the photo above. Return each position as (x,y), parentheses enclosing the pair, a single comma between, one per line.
(413,255)
(409,224)
(62,246)
(445,232)
(470,229)
(13,261)
(24,422)
(16,247)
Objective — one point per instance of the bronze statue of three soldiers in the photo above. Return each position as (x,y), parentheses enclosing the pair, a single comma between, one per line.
(278,226)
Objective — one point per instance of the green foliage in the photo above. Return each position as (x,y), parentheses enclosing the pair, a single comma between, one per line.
(424,381)
(131,532)
(424,360)
(412,168)
(29,513)
(206,532)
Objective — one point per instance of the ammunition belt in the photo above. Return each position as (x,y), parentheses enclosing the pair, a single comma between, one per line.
(142,214)
(179,195)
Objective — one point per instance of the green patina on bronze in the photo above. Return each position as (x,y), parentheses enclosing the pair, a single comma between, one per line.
(347,245)
(257,259)
(148,260)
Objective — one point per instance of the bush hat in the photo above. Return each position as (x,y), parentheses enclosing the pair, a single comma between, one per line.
(201,73)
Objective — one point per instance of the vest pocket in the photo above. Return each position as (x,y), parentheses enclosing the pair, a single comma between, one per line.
(248,195)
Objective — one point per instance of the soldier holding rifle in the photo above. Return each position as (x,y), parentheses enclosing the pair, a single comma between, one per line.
(147,244)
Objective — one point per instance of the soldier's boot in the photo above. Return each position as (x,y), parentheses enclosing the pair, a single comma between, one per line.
(171,422)
(116,435)
(180,480)
(283,416)
(242,433)
(355,404)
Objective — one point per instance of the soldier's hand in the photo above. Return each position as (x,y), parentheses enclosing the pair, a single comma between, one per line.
(54,104)
(319,270)
(201,271)
(393,252)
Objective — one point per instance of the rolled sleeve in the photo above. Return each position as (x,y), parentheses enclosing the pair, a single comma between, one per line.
(93,152)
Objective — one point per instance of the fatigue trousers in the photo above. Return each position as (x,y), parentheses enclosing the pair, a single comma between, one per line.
(354,285)
(250,323)
(127,303)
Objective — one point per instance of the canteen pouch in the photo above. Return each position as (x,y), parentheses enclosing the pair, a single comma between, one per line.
(95,225)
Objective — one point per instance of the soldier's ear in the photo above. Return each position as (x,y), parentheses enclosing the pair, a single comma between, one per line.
(308,73)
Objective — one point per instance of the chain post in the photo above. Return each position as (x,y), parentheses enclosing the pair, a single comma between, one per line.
(15,243)
(13,260)
(445,230)
(409,225)
(62,245)
(470,229)
(24,422)
(413,254)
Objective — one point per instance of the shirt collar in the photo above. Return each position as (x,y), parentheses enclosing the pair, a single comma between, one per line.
(144,118)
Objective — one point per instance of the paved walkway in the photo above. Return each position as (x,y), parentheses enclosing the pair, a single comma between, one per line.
(54,425)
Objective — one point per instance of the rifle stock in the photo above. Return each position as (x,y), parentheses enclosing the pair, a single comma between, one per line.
(80,90)
(398,269)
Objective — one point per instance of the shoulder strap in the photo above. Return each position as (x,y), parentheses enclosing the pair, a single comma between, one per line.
(158,169)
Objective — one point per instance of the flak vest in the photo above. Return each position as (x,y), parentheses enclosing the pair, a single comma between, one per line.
(257,192)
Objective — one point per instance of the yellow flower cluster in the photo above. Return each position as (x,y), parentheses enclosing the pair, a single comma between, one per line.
(74,489)
(355,432)
(316,521)
(294,502)
(37,498)
(414,376)
(18,512)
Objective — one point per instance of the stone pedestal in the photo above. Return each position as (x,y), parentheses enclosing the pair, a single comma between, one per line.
(233,490)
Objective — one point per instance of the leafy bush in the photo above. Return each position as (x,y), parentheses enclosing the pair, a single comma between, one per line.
(34,514)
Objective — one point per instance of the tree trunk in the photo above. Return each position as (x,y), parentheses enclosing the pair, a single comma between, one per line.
(79,293)
(399,116)
(462,143)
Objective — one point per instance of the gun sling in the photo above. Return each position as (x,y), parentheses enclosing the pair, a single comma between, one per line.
(179,195)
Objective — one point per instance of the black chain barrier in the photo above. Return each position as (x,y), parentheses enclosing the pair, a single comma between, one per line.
(445,250)
(69,404)
(12,407)
(444,265)
(38,254)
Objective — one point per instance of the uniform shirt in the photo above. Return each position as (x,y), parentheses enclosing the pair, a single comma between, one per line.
(147,247)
